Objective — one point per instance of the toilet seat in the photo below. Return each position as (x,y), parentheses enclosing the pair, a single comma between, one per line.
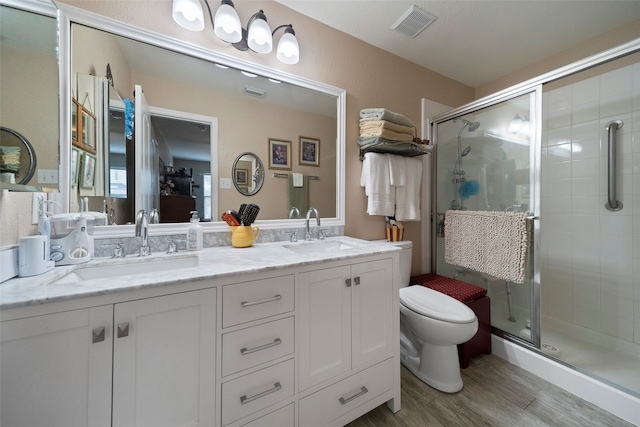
(436,305)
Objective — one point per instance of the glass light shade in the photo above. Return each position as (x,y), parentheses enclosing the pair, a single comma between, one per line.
(515,125)
(188,14)
(288,49)
(226,24)
(259,38)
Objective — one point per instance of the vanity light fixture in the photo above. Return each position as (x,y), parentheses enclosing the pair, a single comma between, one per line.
(188,14)
(257,37)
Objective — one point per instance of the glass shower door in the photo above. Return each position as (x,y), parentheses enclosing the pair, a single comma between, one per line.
(486,161)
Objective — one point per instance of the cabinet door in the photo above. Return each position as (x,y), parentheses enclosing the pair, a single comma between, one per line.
(372,317)
(53,373)
(324,311)
(164,361)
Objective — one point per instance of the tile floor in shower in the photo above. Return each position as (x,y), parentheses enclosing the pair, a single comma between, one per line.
(606,362)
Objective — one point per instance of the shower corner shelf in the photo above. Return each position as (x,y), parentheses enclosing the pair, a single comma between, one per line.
(410,149)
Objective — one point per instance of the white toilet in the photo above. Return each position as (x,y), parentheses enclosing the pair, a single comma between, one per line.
(432,324)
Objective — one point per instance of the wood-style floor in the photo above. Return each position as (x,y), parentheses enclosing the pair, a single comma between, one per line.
(495,393)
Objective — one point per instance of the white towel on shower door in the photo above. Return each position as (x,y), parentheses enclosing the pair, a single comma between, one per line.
(495,243)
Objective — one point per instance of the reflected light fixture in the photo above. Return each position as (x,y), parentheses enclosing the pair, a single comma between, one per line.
(188,14)
(257,37)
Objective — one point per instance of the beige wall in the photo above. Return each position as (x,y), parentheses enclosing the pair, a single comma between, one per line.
(598,44)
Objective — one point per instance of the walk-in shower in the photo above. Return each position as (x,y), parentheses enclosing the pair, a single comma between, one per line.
(575,171)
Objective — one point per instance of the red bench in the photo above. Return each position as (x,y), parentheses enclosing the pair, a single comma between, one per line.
(476,299)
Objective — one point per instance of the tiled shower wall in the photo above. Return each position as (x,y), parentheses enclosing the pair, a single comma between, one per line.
(591,256)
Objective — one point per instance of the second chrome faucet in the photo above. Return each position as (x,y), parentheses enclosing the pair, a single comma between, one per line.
(307,235)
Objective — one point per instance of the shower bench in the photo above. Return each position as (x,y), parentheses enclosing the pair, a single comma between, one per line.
(476,299)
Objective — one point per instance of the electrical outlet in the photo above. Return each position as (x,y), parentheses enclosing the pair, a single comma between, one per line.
(225,182)
(35,206)
(47,176)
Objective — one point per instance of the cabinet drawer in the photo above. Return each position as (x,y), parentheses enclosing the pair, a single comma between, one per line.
(256,391)
(283,417)
(336,400)
(244,302)
(252,346)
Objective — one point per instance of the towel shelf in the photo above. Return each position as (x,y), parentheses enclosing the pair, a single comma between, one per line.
(286,175)
(410,149)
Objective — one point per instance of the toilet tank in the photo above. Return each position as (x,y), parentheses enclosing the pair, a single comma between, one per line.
(405,259)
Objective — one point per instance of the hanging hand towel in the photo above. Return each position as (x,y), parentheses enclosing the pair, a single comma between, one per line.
(298,196)
(397,170)
(298,180)
(375,179)
(495,243)
(408,195)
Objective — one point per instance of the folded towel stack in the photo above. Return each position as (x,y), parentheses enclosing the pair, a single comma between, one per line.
(379,125)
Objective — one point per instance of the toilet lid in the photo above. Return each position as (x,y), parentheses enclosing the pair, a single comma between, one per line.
(436,305)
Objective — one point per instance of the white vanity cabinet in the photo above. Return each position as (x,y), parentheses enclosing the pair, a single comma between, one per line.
(164,361)
(55,369)
(159,354)
(346,319)
(301,340)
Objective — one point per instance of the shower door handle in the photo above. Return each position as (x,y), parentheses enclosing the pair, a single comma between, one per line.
(612,128)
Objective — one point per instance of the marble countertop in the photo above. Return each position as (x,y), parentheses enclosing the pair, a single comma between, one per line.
(59,285)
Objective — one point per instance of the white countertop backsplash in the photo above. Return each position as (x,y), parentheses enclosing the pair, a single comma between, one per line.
(213,263)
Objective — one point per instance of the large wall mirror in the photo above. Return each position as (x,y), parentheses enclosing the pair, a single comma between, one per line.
(29,103)
(203,110)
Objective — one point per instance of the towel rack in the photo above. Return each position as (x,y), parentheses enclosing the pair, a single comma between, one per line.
(286,175)
(408,149)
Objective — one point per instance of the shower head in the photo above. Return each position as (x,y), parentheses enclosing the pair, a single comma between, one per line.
(473,126)
(465,151)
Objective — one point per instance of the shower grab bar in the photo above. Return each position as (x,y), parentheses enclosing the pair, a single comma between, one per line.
(612,204)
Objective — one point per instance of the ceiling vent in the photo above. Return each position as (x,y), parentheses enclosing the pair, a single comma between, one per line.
(413,21)
(258,93)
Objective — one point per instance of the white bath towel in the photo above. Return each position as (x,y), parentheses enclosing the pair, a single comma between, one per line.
(495,243)
(298,179)
(397,170)
(375,179)
(408,195)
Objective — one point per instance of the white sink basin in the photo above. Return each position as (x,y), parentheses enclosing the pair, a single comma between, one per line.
(323,246)
(124,269)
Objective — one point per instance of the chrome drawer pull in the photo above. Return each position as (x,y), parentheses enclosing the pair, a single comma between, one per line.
(246,350)
(244,399)
(261,301)
(363,390)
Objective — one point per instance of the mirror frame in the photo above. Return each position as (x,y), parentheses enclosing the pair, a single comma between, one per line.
(45,8)
(69,14)
(252,176)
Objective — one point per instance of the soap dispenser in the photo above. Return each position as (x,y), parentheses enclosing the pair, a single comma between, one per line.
(194,233)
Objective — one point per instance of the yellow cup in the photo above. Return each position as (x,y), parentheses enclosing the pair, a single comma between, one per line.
(243,236)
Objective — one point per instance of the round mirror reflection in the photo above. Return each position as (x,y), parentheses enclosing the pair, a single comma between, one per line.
(17,157)
(248,173)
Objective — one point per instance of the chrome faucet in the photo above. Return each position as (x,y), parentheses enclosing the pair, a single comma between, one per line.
(142,226)
(307,236)
(293,211)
